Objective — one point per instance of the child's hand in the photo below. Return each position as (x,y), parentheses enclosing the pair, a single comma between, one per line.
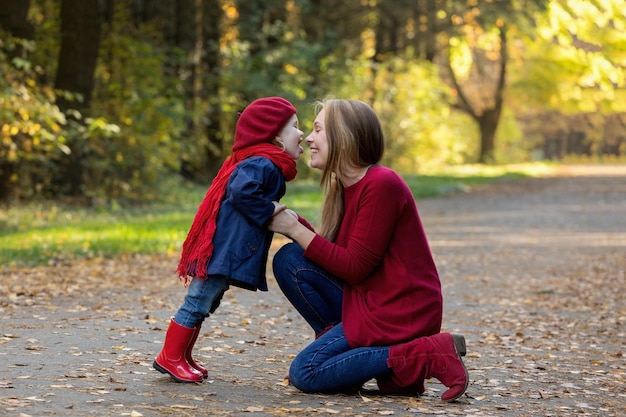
(278,207)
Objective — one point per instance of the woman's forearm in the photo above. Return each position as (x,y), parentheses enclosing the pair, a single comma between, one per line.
(302,235)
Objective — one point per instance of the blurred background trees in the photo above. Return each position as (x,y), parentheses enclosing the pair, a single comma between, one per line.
(100,100)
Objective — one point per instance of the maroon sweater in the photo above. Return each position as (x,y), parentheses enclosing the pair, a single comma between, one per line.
(392,292)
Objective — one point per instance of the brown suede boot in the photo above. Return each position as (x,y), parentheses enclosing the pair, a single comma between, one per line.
(190,361)
(436,356)
(172,360)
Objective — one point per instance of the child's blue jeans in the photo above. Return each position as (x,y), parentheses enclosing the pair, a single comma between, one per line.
(202,299)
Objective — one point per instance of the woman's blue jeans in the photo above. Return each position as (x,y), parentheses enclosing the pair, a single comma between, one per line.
(202,299)
(328,364)
(316,294)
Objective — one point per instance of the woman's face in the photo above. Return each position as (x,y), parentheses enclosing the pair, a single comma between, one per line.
(318,143)
(291,136)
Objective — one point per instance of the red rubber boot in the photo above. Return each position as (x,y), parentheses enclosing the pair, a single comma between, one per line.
(436,356)
(172,360)
(190,360)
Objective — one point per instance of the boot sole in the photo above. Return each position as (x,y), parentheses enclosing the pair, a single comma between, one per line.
(461,349)
(161,369)
(459,344)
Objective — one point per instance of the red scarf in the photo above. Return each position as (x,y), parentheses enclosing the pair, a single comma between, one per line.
(198,246)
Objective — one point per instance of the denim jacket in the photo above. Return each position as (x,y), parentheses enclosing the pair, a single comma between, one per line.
(241,242)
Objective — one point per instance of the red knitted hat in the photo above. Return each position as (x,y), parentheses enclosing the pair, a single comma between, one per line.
(261,121)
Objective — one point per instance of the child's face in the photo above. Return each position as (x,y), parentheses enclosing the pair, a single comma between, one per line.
(291,136)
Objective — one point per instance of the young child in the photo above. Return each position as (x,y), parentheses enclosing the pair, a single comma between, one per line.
(228,242)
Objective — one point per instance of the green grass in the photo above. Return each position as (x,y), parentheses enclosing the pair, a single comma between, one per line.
(46,233)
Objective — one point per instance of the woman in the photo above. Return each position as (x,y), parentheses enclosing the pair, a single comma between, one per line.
(366,283)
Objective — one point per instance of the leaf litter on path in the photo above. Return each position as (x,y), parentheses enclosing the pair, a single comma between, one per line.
(533,273)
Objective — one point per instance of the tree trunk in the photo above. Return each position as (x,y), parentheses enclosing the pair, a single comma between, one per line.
(486,116)
(488,124)
(489,120)
(425,12)
(13,18)
(80,42)
(198,32)
(210,76)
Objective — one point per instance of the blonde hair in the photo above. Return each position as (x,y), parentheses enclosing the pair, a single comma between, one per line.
(278,141)
(355,140)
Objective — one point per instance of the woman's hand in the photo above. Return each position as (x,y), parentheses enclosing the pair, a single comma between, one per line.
(283,221)
(286,223)
(278,207)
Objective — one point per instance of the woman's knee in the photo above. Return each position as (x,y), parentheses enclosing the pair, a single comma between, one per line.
(288,252)
(286,260)
(300,376)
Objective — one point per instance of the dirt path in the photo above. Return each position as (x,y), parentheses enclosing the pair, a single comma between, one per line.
(533,271)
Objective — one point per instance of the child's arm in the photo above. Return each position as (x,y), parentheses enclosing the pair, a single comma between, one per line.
(252,190)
